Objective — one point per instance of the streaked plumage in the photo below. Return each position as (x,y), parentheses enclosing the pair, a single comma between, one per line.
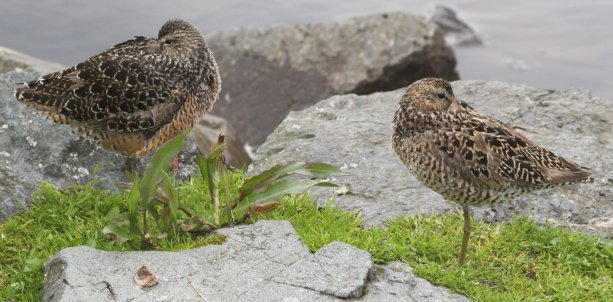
(136,95)
(467,157)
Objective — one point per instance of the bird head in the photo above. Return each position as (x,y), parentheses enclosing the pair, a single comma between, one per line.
(181,42)
(180,39)
(428,94)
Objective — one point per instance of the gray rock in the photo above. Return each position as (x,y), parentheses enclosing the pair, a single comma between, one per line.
(206,133)
(33,148)
(395,282)
(353,132)
(261,262)
(337,269)
(457,32)
(11,60)
(268,72)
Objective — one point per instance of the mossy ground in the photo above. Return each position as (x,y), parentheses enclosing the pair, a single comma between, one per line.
(514,261)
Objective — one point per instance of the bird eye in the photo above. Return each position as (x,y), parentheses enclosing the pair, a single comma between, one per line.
(441,95)
(168,41)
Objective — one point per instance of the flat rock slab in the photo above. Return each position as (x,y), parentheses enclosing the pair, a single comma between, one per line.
(337,269)
(265,261)
(353,132)
(268,72)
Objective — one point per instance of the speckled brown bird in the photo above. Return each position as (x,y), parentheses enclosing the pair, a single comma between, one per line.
(135,96)
(467,157)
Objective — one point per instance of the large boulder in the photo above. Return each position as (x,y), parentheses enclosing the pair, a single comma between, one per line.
(12,60)
(33,148)
(353,132)
(457,32)
(268,72)
(261,262)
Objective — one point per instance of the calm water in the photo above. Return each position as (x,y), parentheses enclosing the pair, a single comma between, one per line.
(549,43)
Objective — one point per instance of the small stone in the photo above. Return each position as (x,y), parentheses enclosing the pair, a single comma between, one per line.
(145,278)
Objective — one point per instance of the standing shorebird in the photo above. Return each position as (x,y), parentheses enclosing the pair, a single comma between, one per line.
(467,157)
(135,96)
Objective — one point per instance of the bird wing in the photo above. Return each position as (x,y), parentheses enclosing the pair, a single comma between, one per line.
(487,149)
(118,90)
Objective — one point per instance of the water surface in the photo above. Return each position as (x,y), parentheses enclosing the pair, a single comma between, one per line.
(548,43)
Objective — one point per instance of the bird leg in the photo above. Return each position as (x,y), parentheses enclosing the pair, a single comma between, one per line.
(466,235)
(132,166)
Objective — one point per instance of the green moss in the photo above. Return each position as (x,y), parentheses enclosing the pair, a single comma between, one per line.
(215,239)
(514,261)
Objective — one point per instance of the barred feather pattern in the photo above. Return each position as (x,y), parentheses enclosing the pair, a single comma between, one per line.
(136,95)
(467,157)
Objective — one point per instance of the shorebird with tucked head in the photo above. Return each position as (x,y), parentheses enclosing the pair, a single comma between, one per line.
(135,96)
(467,157)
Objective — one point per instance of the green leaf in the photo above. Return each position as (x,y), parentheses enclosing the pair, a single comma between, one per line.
(96,169)
(217,151)
(322,170)
(34,264)
(133,199)
(160,161)
(173,199)
(121,232)
(114,214)
(261,181)
(278,189)
(207,166)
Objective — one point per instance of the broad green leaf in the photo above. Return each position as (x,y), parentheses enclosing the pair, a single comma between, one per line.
(278,189)
(112,214)
(322,170)
(217,151)
(117,218)
(261,181)
(207,169)
(121,232)
(160,161)
(133,199)
(173,198)
(203,167)
(33,264)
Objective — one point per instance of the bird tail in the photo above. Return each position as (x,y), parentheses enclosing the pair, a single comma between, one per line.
(569,176)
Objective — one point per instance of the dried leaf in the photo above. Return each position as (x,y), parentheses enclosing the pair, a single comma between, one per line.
(145,278)
(263,207)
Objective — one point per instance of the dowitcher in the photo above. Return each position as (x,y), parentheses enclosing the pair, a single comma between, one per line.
(135,96)
(467,157)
